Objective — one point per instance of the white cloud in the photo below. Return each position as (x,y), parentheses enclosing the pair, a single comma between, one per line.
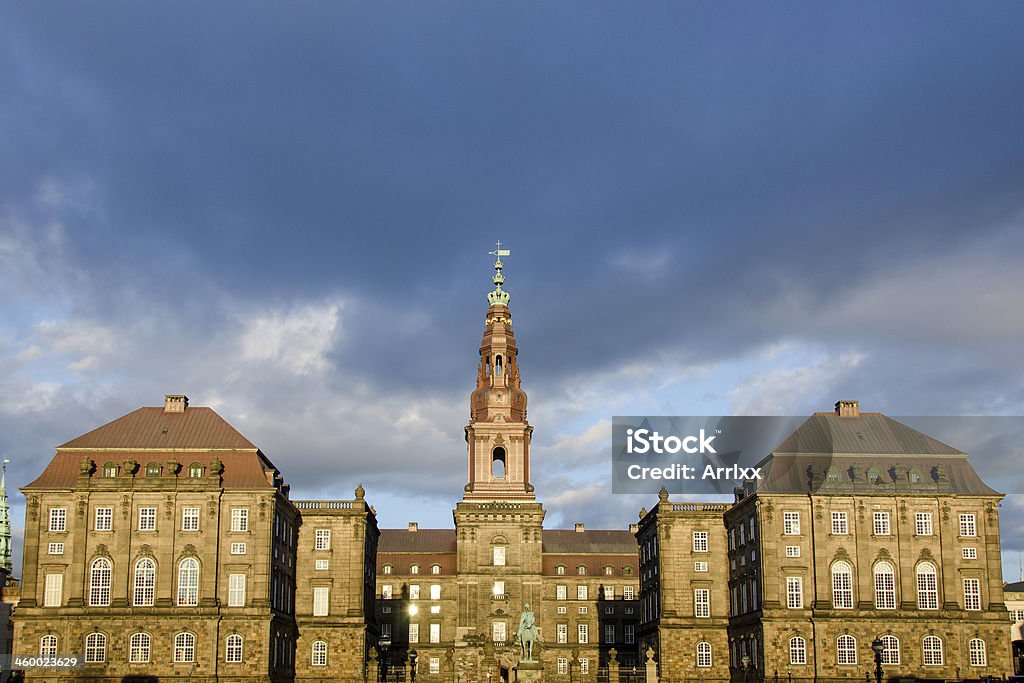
(783,391)
(297,339)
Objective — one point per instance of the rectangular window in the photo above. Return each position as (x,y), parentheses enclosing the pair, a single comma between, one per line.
(58,519)
(435,591)
(321,599)
(972,594)
(435,665)
(385,630)
(792,551)
(791,523)
(236,590)
(582,610)
(970,553)
(923,523)
(629,634)
(881,524)
(147,519)
(498,631)
(563,665)
(794,592)
(414,633)
(54,590)
(560,593)
(702,602)
(435,633)
(627,593)
(561,609)
(609,633)
(584,665)
(840,524)
(414,591)
(968,526)
(609,592)
(700,541)
(581,592)
(104,519)
(239,519)
(385,591)
(499,589)
(499,555)
(190,519)
(562,633)
(323,539)
(582,633)
(56,549)
(700,566)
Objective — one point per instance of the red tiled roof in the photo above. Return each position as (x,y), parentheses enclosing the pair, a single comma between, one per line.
(152,428)
(421,541)
(597,542)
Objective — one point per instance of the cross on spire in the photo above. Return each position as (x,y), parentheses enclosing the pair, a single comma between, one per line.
(498,296)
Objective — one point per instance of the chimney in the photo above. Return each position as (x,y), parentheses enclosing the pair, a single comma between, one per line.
(848,408)
(175,403)
(414,526)
(579,527)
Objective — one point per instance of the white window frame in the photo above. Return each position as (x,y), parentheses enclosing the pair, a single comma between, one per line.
(794,592)
(927,581)
(140,648)
(846,650)
(53,594)
(791,523)
(239,519)
(103,519)
(190,519)
(792,551)
(435,632)
(236,590)
(498,555)
(923,524)
(702,603)
(318,653)
(978,652)
(184,648)
(582,633)
(882,524)
(932,651)
(147,519)
(58,520)
(561,633)
(842,585)
(628,593)
(840,523)
(321,601)
(969,553)
(797,650)
(234,647)
(704,660)
(700,541)
(969,525)
(95,648)
(972,595)
(322,540)
(885,586)
(238,548)
(188,582)
(144,582)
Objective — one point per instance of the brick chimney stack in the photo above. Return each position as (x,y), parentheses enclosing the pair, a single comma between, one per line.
(848,408)
(175,403)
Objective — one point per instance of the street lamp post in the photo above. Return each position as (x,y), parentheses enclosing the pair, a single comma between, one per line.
(789,674)
(878,647)
(412,664)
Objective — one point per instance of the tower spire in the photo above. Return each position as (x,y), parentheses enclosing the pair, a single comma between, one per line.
(498,297)
(5,524)
(498,434)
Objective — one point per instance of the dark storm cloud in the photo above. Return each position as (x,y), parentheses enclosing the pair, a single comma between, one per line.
(681,185)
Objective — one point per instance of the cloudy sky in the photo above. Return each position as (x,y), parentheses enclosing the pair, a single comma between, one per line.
(284,212)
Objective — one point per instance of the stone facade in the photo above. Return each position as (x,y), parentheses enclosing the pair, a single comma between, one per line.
(860,529)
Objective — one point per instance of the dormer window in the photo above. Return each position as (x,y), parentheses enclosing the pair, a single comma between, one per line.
(833,476)
(915,476)
(388,569)
(581,570)
(110,470)
(874,475)
(195,470)
(560,569)
(435,569)
(152,470)
(414,569)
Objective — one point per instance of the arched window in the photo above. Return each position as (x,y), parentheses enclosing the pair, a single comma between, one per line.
(195,470)
(560,569)
(319,653)
(188,582)
(110,470)
(95,648)
(185,647)
(914,476)
(885,586)
(233,649)
(932,650)
(846,650)
(435,569)
(414,569)
(99,582)
(704,654)
(139,646)
(627,570)
(608,571)
(581,570)
(145,583)
(498,463)
(842,585)
(927,586)
(152,470)
(498,366)
(48,646)
(874,475)
(388,569)
(976,648)
(890,649)
(833,476)
(797,650)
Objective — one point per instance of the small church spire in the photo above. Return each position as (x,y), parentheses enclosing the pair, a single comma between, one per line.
(5,524)
(498,297)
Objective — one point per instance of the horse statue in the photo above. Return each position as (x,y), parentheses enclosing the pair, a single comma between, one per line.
(527,634)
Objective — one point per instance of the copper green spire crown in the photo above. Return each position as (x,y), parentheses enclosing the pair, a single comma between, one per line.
(498,297)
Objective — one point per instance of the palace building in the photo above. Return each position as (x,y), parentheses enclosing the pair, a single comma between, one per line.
(165,545)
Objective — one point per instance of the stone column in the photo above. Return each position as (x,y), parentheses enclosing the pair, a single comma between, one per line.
(372,668)
(613,665)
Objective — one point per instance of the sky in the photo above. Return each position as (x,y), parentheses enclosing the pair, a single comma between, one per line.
(284,212)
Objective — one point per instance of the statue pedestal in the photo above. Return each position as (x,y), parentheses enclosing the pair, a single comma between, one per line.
(529,672)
